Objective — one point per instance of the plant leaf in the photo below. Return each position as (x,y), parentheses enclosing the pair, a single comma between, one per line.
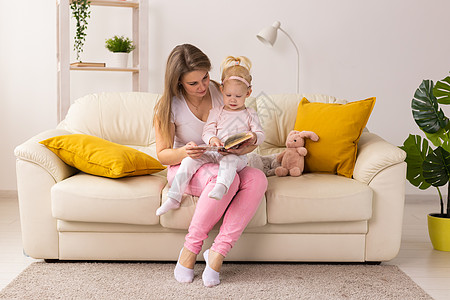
(442,90)
(426,112)
(441,138)
(416,150)
(436,167)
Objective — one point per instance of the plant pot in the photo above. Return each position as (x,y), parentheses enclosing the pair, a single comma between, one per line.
(439,231)
(119,60)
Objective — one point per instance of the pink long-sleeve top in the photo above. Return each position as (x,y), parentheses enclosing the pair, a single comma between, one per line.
(222,124)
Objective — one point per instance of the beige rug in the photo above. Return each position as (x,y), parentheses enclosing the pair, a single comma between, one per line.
(87,280)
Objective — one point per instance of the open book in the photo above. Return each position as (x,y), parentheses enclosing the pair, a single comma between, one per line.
(237,139)
(233,141)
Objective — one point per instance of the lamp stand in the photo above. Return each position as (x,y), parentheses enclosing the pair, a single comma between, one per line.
(298,56)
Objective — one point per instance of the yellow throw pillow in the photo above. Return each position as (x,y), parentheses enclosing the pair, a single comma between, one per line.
(339,127)
(97,156)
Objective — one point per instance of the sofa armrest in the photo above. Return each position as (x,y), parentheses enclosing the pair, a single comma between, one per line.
(34,152)
(374,155)
(381,166)
(38,169)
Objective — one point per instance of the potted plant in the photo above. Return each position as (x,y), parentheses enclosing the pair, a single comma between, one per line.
(80,11)
(120,46)
(427,166)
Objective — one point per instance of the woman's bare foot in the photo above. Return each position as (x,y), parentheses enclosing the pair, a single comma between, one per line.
(215,260)
(187,258)
(184,270)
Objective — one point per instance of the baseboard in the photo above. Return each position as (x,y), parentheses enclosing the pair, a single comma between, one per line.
(414,198)
(8,194)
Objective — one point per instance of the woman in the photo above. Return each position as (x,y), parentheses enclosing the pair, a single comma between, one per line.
(179,117)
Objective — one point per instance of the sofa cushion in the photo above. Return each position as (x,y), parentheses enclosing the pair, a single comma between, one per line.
(317,198)
(355,227)
(181,218)
(88,198)
(123,118)
(339,127)
(277,114)
(97,156)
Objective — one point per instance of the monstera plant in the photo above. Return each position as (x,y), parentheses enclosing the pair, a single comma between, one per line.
(427,166)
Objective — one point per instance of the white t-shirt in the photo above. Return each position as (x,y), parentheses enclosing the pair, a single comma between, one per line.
(187,126)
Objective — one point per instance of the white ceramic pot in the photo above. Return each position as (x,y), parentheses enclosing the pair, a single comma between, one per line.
(118,60)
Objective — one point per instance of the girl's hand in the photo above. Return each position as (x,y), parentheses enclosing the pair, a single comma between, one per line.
(193,151)
(215,142)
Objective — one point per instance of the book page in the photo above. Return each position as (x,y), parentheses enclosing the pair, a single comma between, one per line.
(237,139)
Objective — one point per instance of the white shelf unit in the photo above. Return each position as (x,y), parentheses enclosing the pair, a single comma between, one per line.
(139,69)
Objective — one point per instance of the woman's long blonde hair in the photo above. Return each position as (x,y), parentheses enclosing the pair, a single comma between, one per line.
(236,66)
(183,59)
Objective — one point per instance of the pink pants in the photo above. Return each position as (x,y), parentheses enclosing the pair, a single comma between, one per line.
(237,207)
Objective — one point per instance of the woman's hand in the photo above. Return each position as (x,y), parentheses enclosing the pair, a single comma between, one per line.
(251,141)
(243,149)
(193,151)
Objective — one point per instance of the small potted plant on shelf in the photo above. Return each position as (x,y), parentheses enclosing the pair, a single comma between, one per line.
(120,47)
(80,11)
(427,166)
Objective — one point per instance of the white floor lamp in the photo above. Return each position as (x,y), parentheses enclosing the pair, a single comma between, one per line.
(268,36)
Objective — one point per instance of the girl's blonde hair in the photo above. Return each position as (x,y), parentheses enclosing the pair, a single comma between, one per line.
(236,66)
(183,59)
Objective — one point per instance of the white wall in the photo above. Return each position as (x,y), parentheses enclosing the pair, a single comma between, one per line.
(27,77)
(349,48)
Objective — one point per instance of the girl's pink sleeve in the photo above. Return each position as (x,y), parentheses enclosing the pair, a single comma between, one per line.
(256,127)
(210,128)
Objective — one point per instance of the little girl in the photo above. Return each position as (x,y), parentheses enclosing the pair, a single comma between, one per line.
(231,118)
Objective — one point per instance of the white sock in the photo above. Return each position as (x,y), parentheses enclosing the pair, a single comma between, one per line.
(183,274)
(210,277)
(166,206)
(218,191)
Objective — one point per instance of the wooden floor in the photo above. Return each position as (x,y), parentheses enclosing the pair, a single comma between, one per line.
(429,268)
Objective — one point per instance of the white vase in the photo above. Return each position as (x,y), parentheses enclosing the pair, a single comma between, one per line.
(118,60)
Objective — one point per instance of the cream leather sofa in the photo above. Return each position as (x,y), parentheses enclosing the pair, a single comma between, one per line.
(69,215)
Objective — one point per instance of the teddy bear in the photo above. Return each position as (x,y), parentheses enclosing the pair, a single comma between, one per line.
(293,158)
(266,163)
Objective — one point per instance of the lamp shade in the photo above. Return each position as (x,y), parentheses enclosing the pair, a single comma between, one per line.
(268,35)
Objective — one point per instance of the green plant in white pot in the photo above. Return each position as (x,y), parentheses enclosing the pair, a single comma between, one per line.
(427,166)
(120,46)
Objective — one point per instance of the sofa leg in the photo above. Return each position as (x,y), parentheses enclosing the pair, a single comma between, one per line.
(51,260)
(373,262)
